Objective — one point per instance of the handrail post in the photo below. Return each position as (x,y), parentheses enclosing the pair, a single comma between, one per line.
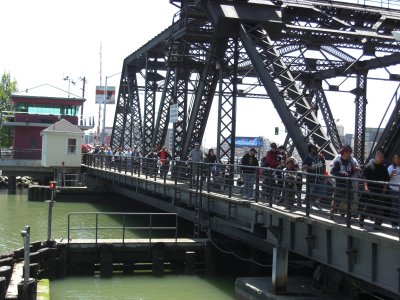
(151,228)
(270,187)
(123,229)
(209,180)
(176,229)
(231,179)
(97,226)
(308,196)
(349,186)
(175,174)
(257,191)
(68,231)
(398,211)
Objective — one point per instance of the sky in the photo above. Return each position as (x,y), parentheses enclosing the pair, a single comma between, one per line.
(44,41)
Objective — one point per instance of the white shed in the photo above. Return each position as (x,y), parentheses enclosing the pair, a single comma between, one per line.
(61,145)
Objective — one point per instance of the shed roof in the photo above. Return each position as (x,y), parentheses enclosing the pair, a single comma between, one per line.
(63,126)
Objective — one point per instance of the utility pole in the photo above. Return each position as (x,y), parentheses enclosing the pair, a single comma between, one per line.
(83,93)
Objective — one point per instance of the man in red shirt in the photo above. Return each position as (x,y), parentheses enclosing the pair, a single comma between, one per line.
(164,158)
(272,156)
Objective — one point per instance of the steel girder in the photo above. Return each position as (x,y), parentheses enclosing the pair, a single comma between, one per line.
(203,99)
(319,101)
(227,102)
(390,138)
(360,117)
(294,110)
(151,77)
(323,105)
(161,127)
(122,107)
(127,121)
(180,98)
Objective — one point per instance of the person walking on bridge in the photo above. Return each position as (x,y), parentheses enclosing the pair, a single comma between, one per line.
(164,158)
(195,157)
(394,173)
(249,162)
(315,166)
(374,201)
(343,167)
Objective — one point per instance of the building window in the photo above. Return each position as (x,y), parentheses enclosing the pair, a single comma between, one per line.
(33,144)
(71,146)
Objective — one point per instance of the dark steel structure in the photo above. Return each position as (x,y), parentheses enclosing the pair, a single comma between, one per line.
(289,52)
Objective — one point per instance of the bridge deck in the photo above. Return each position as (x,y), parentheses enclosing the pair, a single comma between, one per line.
(322,215)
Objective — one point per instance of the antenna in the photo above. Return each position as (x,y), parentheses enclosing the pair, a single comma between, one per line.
(101,53)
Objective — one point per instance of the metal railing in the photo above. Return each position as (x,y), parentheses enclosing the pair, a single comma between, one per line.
(150,228)
(20,153)
(71,180)
(340,199)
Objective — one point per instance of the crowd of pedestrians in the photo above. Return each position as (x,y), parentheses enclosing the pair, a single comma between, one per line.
(369,196)
(283,179)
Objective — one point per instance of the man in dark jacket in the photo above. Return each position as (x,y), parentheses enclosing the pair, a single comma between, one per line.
(315,165)
(373,201)
(343,167)
(249,162)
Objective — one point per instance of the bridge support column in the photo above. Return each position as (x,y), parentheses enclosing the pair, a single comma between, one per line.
(279,269)
(106,262)
(12,185)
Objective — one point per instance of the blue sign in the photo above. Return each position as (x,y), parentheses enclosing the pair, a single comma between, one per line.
(248,142)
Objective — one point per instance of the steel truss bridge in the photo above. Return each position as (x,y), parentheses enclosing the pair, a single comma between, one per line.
(289,52)
(282,216)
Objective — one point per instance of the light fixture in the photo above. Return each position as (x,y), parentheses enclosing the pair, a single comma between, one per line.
(396,35)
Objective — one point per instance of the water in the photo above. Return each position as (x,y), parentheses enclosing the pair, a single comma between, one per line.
(16,212)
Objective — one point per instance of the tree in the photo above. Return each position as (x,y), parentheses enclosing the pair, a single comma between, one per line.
(7,87)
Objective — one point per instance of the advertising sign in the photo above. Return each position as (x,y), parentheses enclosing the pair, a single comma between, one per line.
(248,142)
(110,94)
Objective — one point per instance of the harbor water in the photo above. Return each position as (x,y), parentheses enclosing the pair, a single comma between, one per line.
(16,212)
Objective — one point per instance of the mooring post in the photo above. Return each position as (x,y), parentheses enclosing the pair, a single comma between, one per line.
(50,211)
(26,234)
(279,269)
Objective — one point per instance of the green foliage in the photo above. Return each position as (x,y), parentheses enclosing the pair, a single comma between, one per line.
(7,87)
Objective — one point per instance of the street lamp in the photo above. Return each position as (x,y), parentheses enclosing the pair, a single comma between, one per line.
(103,133)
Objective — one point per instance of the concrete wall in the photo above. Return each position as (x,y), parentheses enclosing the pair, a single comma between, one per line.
(55,149)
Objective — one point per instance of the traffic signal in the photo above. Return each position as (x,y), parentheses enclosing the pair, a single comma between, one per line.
(53,185)
(276,130)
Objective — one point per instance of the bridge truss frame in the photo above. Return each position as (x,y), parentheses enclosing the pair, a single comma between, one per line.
(291,53)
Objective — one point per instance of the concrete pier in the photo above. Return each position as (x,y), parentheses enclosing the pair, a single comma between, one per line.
(12,185)
(158,259)
(279,269)
(190,263)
